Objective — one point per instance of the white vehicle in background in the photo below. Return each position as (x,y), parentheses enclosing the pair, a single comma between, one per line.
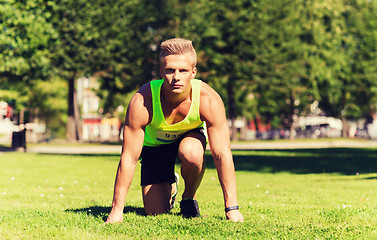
(320,126)
(6,129)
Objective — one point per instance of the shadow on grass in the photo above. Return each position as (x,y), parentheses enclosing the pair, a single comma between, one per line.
(103,212)
(347,161)
(5,148)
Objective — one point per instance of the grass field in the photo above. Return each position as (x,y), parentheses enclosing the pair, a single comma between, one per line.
(283,194)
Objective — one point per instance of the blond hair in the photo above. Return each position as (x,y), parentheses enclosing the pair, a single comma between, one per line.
(177,46)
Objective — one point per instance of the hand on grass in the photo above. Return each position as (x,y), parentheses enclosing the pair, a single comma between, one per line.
(115,216)
(235,216)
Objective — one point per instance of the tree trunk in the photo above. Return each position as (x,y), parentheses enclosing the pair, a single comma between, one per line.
(291,132)
(77,118)
(345,128)
(73,124)
(291,118)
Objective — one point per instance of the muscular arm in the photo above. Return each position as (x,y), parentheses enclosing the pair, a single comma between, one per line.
(213,113)
(133,136)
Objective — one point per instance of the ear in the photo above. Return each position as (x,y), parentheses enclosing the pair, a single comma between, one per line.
(193,74)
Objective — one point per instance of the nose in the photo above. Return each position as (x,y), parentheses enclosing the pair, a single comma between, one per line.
(176,75)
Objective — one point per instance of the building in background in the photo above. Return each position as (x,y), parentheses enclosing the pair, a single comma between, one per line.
(95,126)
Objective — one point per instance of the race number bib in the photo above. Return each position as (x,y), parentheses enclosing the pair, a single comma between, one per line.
(167,137)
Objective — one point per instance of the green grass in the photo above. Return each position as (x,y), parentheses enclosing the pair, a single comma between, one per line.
(283,194)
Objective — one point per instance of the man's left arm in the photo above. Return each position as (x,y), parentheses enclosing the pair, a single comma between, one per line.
(213,113)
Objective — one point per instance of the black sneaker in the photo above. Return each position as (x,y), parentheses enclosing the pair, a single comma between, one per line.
(190,208)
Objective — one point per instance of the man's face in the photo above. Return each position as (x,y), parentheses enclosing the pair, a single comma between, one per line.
(177,72)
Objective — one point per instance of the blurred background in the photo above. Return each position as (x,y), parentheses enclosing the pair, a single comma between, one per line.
(285,69)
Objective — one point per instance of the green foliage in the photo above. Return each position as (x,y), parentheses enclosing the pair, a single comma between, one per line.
(109,40)
(106,40)
(222,33)
(25,59)
(42,100)
(24,37)
(334,47)
(49,99)
(297,56)
(270,58)
(362,25)
(275,58)
(119,103)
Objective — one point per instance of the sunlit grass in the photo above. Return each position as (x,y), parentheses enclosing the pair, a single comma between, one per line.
(283,194)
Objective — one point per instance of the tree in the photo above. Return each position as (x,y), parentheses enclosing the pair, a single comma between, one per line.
(24,54)
(302,58)
(332,56)
(47,103)
(222,33)
(104,39)
(24,38)
(284,88)
(362,26)
(281,56)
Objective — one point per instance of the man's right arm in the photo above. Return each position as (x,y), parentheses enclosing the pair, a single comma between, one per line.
(133,136)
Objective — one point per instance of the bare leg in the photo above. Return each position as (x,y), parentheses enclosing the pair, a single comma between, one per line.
(191,154)
(156,198)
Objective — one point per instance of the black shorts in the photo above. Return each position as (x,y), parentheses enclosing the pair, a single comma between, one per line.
(157,163)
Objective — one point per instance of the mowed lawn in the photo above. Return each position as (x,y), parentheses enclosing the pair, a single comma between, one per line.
(283,194)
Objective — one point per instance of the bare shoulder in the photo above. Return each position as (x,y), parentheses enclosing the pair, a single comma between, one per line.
(139,109)
(142,98)
(211,103)
(207,93)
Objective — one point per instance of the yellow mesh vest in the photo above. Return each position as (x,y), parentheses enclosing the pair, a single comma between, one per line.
(158,131)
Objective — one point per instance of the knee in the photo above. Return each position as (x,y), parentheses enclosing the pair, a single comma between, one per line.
(156,198)
(191,155)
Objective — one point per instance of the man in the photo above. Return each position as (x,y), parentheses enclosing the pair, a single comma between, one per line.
(166,119)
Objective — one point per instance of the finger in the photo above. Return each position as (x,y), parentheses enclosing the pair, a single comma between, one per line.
(109,220)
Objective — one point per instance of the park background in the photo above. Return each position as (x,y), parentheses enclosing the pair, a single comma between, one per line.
(285,69)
